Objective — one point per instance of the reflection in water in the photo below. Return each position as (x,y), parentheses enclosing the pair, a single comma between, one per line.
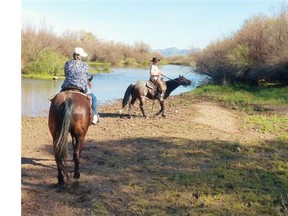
(107,87)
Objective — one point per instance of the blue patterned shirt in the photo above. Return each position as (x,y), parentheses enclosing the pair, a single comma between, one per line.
(76,75)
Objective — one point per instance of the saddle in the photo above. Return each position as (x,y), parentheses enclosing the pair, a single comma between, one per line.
(73,91)
(73,88)
(150,84)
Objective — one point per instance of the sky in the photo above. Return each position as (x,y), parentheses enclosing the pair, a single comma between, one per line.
(184,24)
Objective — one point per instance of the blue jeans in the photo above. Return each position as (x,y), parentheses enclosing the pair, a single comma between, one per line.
(94,103)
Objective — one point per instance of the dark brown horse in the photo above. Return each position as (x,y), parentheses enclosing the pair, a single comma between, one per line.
(140,90)
(70,112)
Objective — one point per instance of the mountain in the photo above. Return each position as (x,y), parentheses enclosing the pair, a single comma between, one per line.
(173,51)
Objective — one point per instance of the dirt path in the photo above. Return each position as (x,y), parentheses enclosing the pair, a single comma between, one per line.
(118,142)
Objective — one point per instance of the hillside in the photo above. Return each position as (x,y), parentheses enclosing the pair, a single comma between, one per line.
(173,51)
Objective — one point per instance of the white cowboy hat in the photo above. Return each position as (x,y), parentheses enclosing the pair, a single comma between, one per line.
(80,51)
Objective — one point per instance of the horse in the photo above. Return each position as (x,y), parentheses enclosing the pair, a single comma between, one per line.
(70,112)
(141,90)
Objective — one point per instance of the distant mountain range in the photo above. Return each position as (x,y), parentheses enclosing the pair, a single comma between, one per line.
(172,51)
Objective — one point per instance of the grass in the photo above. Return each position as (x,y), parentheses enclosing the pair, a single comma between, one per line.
(237,178)
(94,68)
(265,123)
(183,177)
(41,76)
(245,96)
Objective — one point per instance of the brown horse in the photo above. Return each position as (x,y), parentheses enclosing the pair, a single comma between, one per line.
(70,112)
(140,90)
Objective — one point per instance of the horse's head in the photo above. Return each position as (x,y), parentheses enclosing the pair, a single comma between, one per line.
(183,81)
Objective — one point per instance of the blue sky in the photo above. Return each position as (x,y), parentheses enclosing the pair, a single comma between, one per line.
(159,23)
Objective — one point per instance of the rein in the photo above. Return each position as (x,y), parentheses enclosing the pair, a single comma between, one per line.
(171,79)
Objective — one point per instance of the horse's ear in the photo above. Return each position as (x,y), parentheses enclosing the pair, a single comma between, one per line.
(91,78)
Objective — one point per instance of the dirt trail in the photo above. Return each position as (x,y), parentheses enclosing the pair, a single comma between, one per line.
(216,117)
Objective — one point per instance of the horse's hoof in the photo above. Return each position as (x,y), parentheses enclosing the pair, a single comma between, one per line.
(77,175)
(61,183)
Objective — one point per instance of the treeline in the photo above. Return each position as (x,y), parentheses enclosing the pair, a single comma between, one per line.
(44,52)
(257,53)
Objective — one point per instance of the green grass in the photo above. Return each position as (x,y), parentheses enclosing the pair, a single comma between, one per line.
(94,68)
(244,95)
(186,177)
(239,182)
(41,76)
(265,123)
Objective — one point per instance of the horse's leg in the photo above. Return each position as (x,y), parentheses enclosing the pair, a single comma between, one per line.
(162,104)
(74,146)
(131,104)
(162,110)
(76,155)
(142,100)
(60,175)
(59,168)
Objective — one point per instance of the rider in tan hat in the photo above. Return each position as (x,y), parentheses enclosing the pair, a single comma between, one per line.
(155,74)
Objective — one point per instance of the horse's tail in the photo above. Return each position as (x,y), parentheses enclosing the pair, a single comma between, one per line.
(128,92)
(60,143)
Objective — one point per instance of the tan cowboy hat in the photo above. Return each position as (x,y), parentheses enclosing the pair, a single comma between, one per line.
(154,59)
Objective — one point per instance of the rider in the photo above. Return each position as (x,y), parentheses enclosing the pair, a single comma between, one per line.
(155,73)
(76,76)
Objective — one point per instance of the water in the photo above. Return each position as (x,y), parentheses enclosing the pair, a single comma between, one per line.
(106,87)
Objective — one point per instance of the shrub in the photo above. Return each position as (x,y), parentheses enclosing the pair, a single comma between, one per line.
(256,53)
(47,62)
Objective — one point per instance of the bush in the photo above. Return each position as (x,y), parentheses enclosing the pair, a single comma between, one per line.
(256,53)
(47,62)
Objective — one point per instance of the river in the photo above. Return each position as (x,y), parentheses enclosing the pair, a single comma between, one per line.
(106,86)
